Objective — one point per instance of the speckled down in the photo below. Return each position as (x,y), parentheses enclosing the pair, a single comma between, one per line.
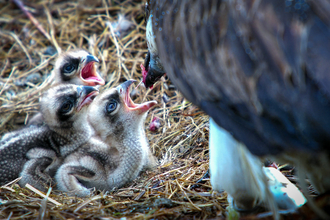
(115,155)
(35,153)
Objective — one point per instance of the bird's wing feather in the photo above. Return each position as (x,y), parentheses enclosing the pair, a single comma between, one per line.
(259,68)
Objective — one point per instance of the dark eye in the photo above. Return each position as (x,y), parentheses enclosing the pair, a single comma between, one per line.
(66,107)
(111,106)
(68,68)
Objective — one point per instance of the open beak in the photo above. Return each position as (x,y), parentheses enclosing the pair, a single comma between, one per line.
(123,90)
(86,95)
(88,73)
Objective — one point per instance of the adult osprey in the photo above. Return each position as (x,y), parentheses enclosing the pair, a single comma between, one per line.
(259,69)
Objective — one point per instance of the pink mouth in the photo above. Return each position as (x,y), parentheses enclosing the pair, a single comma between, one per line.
(144,107)
(89,75)
(144,74)
(87,100)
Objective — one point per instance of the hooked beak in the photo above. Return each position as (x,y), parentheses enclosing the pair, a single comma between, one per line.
(123,90)
(86,95)
(88,73)
(150,75)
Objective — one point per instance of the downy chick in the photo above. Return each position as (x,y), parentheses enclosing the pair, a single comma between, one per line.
(77,67)
(73,67)
(34,153)
(118,151)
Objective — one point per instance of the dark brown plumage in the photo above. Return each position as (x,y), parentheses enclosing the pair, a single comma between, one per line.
(35,153)
(258,68)
(251,66)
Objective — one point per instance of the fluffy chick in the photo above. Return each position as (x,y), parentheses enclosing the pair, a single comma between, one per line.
(118,151)
(73,67)
(34,153)
(77,67)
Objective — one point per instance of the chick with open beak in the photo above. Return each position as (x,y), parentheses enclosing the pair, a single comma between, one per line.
(72,67)
(118,151)
(123,90)
(35,153)
(77,67)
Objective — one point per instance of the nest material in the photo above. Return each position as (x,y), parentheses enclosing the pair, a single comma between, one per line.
(28,54)
(28,49)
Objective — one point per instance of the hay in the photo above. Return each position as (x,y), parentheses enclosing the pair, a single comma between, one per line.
(180,144)
(27,53)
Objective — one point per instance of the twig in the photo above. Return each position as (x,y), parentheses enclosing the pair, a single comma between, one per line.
(82,205)
(4,86)
(176,180)
(16,38)
(9,217)
(43,207)
(41,194)
(34,21)
(52,30)
(12,182)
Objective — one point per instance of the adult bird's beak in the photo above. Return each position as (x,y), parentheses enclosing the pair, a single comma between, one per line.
(123,90)
(88,72)
(86,95)
(152,71)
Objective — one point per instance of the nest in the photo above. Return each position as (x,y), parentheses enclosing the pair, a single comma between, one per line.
(31,37)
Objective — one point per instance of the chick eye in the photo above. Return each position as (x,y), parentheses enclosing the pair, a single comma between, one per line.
(68,68)
(66,107)
(111,106)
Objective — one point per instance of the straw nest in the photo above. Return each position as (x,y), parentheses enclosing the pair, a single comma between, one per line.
(114,31)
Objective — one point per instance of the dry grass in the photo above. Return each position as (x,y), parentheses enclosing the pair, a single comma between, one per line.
(27,54)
